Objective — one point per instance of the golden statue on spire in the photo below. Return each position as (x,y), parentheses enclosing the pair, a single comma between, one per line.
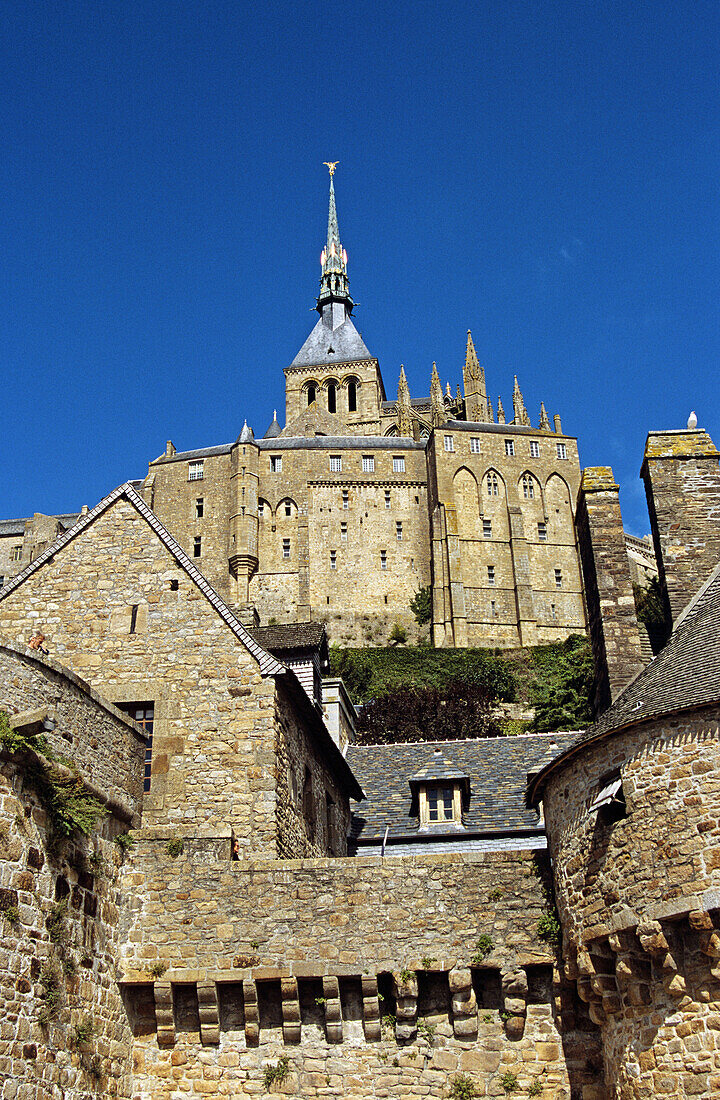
(331,165)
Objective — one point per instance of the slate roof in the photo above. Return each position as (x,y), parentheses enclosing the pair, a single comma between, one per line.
(186,456)
(683,675)
(286,636)
(339,443)
(345,341)
(17,526)
(497,769)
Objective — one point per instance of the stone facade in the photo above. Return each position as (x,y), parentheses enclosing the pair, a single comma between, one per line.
(682,484)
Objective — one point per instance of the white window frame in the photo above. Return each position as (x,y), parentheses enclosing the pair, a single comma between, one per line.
(451,814)
(491,576)
(387,500)
(335,464)
(561,450)
(333,559)
(398,530)
(196,470)
(343,532)
(346,499)
(487,528)
(449,444)
(398,464)
(558,578)
(368,464)
(509,448)
(275,464)
(475,444)
(534,449)
(16,553)
(286,548)
(528,487)
(542,532)
(383,559)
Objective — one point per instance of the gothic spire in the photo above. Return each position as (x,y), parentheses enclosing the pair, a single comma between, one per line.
(404,419)
(476,404)
(436,399)
(334,281)
(501,412)
(520,415)
(544,421)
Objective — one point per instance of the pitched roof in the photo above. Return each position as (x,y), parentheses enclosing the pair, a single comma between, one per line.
(285,636)
(269,666)
(325,345)
(17,526)
(684,675)
(497,769)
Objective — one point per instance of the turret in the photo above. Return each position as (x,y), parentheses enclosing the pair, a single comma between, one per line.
(243,534)
(520,415)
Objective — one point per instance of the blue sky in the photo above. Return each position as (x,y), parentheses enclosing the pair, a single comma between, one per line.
(545,174)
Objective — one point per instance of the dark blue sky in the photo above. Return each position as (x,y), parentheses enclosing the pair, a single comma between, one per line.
(545,174)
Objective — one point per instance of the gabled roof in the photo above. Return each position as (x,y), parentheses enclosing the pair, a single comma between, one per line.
(287,636)
(269,666)
(684,675)
(496,768)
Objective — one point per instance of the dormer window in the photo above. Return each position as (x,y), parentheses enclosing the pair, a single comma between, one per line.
(440,791)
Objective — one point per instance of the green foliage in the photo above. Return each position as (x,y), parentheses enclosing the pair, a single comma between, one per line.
(406,975)
(562,686)
(65,798)
(387,1023)
(495,894)
(426,1030)
(11,914)
(535,1088)
(483,947)
(548,929)
(421,605)
(82,1033)
(371,673)
(51,983)
(158,969)
(175,847)
(125,841)
(509,1081)
(274,1074)
(398,634)
(462,1087)
(427,961)
(321,1000)
(55,922)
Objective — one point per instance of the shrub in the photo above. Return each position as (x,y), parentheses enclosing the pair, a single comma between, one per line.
(11,914)
(55,921)
(535,1088)
(483,947)
(421,605)
(175,847)
(158,969)
(274,1074)
(509,1081)
(406,975)
(462,1087)
(82,1033)
(548,929)
(124,841)
(398,634)
(563,685)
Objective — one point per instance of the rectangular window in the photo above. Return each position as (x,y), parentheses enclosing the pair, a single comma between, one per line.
(199,507)
(383,559)
(197,546)
(346,499)
(16,553)
(398,530)
(144,715)
(534,449)
(286,548)
(553,611)
(487,528)
(542,532)
(343,532)
(474,445)
(398,464)
(558,578)
(387,499)
(493,610)
(335,464)
(288,508)
(196,471)
(276,464)
(440,803)
(491,574)
(449,443)
(333,559)
(368,464)
(509,447)
(561,450)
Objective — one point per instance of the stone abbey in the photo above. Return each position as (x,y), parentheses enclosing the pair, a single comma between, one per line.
(210,886)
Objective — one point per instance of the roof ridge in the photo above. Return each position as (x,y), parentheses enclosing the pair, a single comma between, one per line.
(269,665)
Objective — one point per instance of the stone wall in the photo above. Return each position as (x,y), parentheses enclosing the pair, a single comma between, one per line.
(302,959)
(639,901)
(64,1030)
(103,743)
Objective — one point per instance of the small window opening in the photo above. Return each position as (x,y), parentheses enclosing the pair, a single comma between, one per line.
(311,393)
(197,546)
(332,398)
(288,508)
(609,802)
(174,584)
(352,397)
(133,618)
(199,507)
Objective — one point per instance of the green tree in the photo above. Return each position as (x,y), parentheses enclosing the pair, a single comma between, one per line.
(421,605)
(562,688)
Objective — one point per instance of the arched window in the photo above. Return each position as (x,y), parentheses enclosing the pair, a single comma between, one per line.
(311,393)
(332,397)
(528,487)
(492,484)
(352,397)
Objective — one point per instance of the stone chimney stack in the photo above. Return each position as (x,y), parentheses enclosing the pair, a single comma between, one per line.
(610,603)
